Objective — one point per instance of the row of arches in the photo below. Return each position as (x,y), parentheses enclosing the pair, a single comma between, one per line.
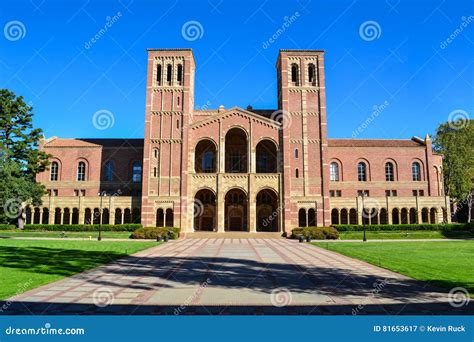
(383,216)
(165,75)
(88,216)
(364,172)
(236,156)
(236,211)
(296,75)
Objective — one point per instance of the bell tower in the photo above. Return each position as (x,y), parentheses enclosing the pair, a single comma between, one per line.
(169,106)
(302,102)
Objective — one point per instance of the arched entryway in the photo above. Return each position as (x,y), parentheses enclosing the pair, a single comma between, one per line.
(236,210)
(205,211)
(266,155)
(267,211)
(205,157)
(236,151)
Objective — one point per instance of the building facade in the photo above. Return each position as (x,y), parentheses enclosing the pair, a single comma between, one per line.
(240,169)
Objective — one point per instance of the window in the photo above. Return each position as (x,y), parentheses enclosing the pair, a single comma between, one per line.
(208,161)
(416,172)
(82,192)
(297,173)
(178,100)
(235,161)
(76,193)
(390,193)
(363,193)
(169,73)
(362,172)
(54,192)
(180,75)
(177,121)
(338,193)
(335,193)
(296,153)
(155,172)
(312,74)
(389,177)
(108,171)
(295,74)
(334,172)
(158,74)
(136,172)
(81,171)
(418,193)
(54,171)
(155,153)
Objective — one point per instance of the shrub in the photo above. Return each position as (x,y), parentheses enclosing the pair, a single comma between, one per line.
(395,227)
(154,232)
(316,233)
(130,227)
(7,226)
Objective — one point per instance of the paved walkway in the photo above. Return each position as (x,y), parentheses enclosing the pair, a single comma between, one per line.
(236,276)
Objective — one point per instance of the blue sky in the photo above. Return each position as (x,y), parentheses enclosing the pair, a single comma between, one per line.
(406,65)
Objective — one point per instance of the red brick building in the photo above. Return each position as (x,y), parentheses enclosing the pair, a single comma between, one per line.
(240,169)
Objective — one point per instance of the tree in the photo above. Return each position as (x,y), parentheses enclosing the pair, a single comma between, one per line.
(21,160)
(15,190)
(455,142)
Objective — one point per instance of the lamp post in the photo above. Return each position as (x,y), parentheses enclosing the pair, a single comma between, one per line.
(363,213)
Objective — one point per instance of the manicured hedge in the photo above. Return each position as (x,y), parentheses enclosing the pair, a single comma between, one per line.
(316,233)
(84,227)
(154,232)
(7,226)
(396,227)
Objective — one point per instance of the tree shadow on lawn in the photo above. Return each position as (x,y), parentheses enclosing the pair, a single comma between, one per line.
(54,261)
(220,272)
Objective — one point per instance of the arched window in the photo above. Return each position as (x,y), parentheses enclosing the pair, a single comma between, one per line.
(136,172)
(296,153)
(169,74)
(108,171)
(416,171)
(362,172)
(180,75)
(295,77)
(158,74)
(54,171)
(297,173)
(81,171)
(334,172)
(389,174)
(312,74)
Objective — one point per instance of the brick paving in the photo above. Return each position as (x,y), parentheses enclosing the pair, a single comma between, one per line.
(236,276)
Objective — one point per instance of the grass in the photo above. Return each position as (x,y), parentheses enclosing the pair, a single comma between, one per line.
(447,264)
(56,234)
(27,264)
(408,235)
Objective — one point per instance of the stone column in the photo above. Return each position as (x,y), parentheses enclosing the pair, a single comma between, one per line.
(252,206)
(220,210)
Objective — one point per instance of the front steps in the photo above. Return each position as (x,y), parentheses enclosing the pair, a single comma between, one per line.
(230,235)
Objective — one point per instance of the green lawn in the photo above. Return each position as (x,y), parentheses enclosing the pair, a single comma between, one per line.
(47,234)
(26,264)
(448,264)
(408,235)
